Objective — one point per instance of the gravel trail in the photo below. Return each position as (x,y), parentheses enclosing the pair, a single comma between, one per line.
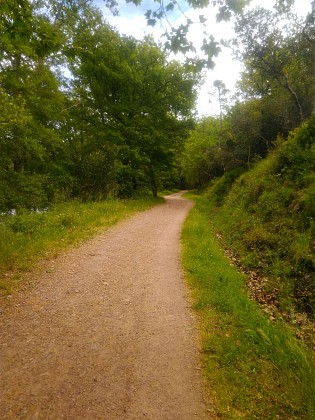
(106,333)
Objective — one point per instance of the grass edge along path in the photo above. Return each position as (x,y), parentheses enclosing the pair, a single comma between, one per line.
(29,237)
(254,367)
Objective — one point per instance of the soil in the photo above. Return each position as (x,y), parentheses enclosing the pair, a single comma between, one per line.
(107,331)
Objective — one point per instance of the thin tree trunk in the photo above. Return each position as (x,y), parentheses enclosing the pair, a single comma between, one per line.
(18,166)
(153,183)
(295,98)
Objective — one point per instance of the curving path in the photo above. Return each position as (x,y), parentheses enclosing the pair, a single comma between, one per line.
(107,332)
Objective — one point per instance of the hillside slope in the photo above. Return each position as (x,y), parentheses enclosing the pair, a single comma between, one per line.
(267,216)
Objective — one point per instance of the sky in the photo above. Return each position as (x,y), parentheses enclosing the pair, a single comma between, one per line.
(131,21)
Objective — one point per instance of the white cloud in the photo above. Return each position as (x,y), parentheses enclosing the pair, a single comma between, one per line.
(135,26)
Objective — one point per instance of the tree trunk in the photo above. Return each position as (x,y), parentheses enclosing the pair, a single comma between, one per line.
(153,182)
(154,189)
(295,98)
(18,166)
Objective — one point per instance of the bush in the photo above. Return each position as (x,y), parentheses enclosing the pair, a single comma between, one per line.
(222,186)
(22,191)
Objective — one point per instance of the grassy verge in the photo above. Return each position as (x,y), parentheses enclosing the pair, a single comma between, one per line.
(29,237)
(256,367)
(168,192)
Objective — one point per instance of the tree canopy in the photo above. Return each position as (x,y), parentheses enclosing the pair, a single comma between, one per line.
(88,113)
(84,111)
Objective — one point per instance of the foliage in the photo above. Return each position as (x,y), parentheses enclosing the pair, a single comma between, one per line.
(116,123)
(256,367)
(141,113)
(113,127)
(177,35)
(222,186)
(268,218)
(207,152)
(276,94)
(278,59)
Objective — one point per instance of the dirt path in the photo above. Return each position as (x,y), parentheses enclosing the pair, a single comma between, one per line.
(107,332)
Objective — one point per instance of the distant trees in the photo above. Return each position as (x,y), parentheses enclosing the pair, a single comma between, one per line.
(207,153)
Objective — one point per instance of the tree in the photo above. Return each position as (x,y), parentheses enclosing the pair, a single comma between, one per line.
(275,55)
(202,159)
(132,98)
(30,96)
(246,126)
(222,98)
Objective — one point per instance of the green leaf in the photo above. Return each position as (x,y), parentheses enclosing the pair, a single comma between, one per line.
(148,14)
(151,22)
(211,47)
(169,7)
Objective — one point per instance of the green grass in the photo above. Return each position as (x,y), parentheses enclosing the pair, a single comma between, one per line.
(29,237)
(168,192)
(255,367)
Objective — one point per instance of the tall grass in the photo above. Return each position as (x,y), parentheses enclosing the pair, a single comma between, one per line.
(255,367)
(29,237)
